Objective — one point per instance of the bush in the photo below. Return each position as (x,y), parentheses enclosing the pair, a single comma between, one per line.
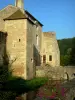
(20,85)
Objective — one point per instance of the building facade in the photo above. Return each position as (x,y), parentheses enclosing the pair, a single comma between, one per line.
(50,49)
(26,42)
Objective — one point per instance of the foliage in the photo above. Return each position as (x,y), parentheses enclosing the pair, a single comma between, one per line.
(52,91)
(67,51)
(5,95)
(20,85)
(72,53)
(65,60)
(64,45)
(12,86)
(4,75)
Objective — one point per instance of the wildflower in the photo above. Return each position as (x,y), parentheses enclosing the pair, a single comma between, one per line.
(53,95)
(40,94)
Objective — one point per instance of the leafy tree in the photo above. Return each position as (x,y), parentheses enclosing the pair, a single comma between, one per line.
(65,60)
(72,58)
(67,51)
(64,45)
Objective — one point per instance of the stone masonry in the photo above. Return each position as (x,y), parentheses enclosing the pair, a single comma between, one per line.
(26,42)
(50,48)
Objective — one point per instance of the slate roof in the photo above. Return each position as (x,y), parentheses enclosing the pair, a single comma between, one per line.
(12,12)
(7,11)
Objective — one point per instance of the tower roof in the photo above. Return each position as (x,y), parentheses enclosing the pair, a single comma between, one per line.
(10,11)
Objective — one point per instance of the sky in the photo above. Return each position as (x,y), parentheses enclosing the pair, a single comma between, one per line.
(55,15)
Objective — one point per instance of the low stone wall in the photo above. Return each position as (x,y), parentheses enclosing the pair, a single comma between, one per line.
(56,72)
(40,73)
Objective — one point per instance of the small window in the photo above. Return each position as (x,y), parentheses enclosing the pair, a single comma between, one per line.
(19,40)
(50,57)
(31,60)
(37,42)
(44,58)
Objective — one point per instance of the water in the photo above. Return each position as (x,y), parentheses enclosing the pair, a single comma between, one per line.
(33,94)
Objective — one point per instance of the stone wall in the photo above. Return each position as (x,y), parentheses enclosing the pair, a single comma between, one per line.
(50,47)
(33,50)
(56,72)
(37,35)
(29,50)
(1,25)
(70,95)
(16,45)
(3,37)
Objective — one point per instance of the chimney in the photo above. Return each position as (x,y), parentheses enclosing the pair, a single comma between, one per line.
(19,3)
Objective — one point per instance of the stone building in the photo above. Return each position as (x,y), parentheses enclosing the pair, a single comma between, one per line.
(50,50)
(26,42)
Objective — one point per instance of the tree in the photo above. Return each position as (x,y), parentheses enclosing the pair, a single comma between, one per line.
(72,58)
(67,51)
(65,60)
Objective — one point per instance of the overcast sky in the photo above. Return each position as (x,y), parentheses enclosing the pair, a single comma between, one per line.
(55,15)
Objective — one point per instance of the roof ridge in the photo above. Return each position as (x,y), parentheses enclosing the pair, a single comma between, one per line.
(10,8)
(5,8)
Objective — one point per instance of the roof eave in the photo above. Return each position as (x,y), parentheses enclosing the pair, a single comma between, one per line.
(34,18)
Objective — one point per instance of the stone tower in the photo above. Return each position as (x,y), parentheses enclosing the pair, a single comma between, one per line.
(50,49)
(19,3)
